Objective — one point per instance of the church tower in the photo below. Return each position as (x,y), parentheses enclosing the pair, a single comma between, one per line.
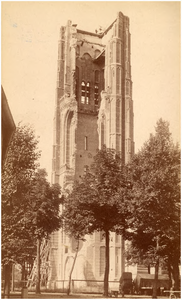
(93,107)
(115,121)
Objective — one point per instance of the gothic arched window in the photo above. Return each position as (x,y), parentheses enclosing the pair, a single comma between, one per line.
(69,138)
(83,92)
(96,87)
(102,260)
(88,93)
(97,76)
(96,94)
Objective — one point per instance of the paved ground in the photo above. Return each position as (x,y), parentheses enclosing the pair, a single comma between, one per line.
(43,295)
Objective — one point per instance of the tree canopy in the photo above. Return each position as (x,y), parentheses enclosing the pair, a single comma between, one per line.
(154,174)
(19,167)
(30,205)
(43,215)
(94,205)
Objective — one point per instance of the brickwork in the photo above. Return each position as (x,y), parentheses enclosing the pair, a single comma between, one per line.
(93,107)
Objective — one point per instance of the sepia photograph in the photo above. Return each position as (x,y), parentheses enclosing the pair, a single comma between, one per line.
(90,149)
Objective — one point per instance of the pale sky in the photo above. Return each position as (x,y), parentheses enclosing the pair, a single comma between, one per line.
(29,49)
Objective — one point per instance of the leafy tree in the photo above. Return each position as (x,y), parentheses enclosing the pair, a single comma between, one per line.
(43,216)
(30,206)
(140,251)
(155,200)
(18,169)
(94,205)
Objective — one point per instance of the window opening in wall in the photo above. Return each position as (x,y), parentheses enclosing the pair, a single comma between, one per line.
(102,260)
(96,88)
(102,81)
(86,143)
(83,93)
(88,93)
(69,139)
(117,238)
(96,94)
(68,150)
(117,251)
(97,76)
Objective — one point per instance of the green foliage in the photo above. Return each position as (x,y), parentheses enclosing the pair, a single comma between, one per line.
(43,214)
(18,169)
(93,203)
(97,203)
(30,206)
(154,175)
(21,161)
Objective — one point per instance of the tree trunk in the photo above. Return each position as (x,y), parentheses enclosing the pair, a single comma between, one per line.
(71,271)
(175,274)
(38,268)
(23,274)
(106,275)
(12,278)
(7,281)
(154,295)
(169,274)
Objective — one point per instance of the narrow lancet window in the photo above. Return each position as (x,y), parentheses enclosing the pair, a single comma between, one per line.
(83,93)
(88,93)
(96,94)
(86,143)
(96,87)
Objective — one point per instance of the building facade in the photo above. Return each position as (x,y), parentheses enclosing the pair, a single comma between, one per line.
(8,126)
(93,107)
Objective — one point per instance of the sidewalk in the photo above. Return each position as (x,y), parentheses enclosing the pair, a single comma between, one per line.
(44,295)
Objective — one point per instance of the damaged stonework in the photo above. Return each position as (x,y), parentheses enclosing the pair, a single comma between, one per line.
(93,106)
